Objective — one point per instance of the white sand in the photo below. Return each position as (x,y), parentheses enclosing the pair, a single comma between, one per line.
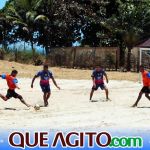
(70,107)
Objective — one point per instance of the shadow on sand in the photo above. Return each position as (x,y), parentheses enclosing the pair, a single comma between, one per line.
(10,108)
(143,107)
(14,109)
(100,100)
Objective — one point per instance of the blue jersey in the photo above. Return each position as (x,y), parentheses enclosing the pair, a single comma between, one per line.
(148,75)
(98,76)
(45,77)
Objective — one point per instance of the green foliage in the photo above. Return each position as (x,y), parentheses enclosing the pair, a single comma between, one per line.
(130,24)
(57,23)
(22,56)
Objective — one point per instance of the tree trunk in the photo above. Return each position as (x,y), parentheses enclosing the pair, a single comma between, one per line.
(4,44)
(129,59)
(33,51)
(24,46)
(74,56)
(46,50)
(15,52)
(122,55)
(16,55)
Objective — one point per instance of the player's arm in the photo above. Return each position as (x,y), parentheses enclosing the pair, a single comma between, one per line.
(17,86)
(3,76)
(106,77)
(33,80)
(16,83)
(55,82)
(93,80)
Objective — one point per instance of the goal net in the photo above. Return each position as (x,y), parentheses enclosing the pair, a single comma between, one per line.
(145,57)
(144,60)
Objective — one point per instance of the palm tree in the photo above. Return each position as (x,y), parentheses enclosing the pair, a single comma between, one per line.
(5,28)
(22,13)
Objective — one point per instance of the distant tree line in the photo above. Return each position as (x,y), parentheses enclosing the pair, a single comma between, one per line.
(59,23)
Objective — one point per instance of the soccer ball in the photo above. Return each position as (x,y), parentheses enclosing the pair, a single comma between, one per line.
(37,107)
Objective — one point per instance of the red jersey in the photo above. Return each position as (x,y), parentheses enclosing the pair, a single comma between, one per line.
(11,81)
(146,79)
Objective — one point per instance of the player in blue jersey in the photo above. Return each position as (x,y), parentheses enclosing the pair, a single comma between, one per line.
(45,75)
(98,81)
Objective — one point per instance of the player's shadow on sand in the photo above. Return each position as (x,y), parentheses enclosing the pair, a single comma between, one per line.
(100,100)
(10,108)
(94,101)
(143,107)
(14,109)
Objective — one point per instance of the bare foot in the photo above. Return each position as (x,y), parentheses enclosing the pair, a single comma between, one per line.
(134,105)
(46,104)
(108,99)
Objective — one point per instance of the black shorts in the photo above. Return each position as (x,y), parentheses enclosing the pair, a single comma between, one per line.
(45,88)
(102,86)
(12,93)
(145,89)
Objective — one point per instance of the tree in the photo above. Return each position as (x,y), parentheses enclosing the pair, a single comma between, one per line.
(128,25)
(61,29)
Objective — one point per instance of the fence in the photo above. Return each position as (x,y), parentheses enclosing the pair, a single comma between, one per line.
(85,57)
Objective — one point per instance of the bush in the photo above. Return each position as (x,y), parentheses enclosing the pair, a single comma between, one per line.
(24,57)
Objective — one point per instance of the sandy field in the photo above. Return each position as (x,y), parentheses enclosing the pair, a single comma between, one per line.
(29,71)
(70,108)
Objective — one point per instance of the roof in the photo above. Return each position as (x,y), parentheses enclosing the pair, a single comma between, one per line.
(145,44)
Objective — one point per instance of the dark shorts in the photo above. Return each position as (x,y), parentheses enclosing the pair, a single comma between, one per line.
(145,89)
(102,86)
(12,93)
(45,88)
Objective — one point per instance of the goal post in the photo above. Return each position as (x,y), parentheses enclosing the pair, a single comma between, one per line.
(144,57)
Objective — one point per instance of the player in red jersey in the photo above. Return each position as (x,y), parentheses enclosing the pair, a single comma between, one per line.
(12,85)
(146,86)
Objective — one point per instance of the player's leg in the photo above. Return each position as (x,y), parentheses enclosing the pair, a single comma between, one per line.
(48,90)
(138,99)
(8,95)
(48,93)
(107,93)
(147,96)
(45,99)
(3,97)
(91,94)
(103,87)
(92,91)
(23,101)
(44,90)
(16,95)
(147,92)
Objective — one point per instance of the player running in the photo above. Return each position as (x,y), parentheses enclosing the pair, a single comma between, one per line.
(146,86)
(98,81)
(12,84)
(45,76)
